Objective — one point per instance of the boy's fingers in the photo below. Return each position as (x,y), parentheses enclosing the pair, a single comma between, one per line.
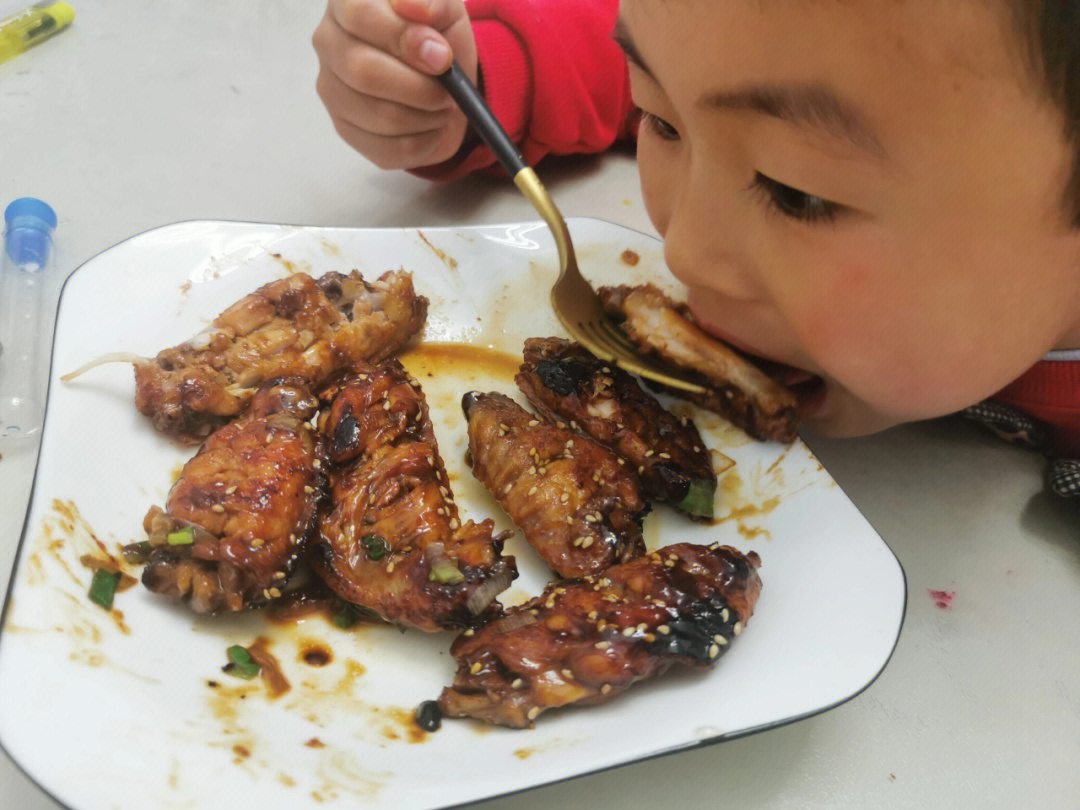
(439,14)
(376,23)
(402,152)
(375,115)
(375,73)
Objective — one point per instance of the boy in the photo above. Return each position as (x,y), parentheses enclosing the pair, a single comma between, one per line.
(883,196)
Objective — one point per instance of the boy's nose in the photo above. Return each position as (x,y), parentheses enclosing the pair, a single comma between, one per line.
(702,250)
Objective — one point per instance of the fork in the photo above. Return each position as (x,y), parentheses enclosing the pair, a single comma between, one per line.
(574,301)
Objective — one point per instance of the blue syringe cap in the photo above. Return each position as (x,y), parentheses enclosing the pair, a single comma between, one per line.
(28,234)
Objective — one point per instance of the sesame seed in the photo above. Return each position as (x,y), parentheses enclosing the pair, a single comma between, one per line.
(682,421)
(454,523)
(533,422)
(570,443)
(591,519)
(532,490)
(279,575)
(217,507)
(266,593)
(567,674)
(665,455)
(663,629)
(601,626)
(257,542)
(719,639)
(697,448)
(564,498)
(363,376)
(542,470)
(390,567)
(274,592)
(669,564)
(593,614)
(550,603)
(577,542)
(586,542)
(230,490)
(650,453)
(569,520)
(561,425)
(629,631)
(269,437)
(476,667)
(605,688)
(292,538)
(316,464)
(737,628)
(469,632)
(534,712)
(641,469)
(649,637)
(724,615)
(605,369)
(309,490)
(507,488)
(642,627)
(621,461)
(517,684)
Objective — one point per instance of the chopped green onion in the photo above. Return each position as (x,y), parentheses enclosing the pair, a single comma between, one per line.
(181,537)
(240,663)
(376,546)
(346,617)
(103,587)
(446,573)
(699,498)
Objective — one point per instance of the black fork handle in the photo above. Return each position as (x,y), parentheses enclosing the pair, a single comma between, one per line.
(481,118)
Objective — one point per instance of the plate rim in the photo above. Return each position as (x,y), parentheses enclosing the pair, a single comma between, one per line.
(688,746)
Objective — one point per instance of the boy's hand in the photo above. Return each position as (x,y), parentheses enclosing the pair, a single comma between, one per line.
(376,63)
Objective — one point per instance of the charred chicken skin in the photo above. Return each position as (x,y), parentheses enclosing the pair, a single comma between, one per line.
(392,540)
(235,521)
(738,390)
(585,641)
(568,384)
(573,500)
(293,327)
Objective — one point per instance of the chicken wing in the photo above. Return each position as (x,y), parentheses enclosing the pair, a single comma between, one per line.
(235,521)
(293,327)
(566,383)
(392,540)
(585,641)
(573,500)
(739,391)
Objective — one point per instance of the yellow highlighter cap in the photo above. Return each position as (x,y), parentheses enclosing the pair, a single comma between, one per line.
(61,12)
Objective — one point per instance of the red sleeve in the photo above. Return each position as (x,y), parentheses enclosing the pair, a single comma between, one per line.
(553,76)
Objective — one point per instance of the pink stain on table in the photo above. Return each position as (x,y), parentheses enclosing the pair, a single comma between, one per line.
(943,599)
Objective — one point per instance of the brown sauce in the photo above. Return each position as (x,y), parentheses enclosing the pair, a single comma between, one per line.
(458,359)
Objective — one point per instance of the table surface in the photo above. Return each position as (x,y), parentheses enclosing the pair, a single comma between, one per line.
(143,114)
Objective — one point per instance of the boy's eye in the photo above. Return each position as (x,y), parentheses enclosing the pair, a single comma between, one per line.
(794,203)
(658,125)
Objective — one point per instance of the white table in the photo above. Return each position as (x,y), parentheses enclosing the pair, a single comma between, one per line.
(149,113)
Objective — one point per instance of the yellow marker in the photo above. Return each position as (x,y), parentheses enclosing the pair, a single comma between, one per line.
(28,28)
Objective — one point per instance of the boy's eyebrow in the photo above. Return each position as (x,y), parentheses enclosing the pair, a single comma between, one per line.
(801,104)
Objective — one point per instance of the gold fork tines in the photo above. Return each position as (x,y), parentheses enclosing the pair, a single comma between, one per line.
(579,308)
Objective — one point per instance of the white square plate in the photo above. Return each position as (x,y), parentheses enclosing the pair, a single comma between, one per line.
(103,709)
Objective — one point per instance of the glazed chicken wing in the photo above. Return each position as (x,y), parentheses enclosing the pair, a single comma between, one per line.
(573,500)
(236,519)
(293,327)
(566,383)
(585,641)
(738,390)
(392,540)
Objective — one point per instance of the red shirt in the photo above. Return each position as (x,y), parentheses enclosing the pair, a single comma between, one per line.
(559,85)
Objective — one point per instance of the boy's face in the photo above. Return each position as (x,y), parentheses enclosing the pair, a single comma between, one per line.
(870,192)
